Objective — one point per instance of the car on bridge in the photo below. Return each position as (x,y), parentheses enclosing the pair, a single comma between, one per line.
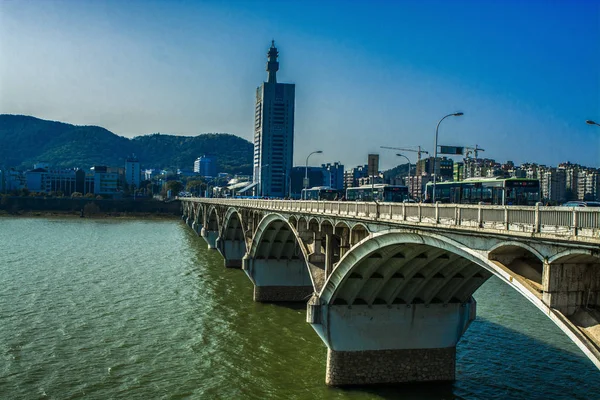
(582,204)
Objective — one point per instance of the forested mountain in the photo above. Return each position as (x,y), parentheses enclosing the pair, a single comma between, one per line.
(25,140)
(398,171)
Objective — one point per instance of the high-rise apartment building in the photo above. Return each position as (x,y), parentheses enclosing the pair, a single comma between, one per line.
(588,185)
(572,179)
(133,173)
(352,176)
(273,132)
(444,168)
(333,175)
(553,185)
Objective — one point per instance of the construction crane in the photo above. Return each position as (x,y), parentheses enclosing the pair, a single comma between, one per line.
(419,151)
(475,150)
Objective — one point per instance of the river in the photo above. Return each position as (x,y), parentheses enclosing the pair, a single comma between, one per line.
(141,309)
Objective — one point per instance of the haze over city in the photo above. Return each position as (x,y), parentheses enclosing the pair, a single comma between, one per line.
(367,74)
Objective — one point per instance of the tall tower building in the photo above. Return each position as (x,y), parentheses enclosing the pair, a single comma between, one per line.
(132,172)
(273,132)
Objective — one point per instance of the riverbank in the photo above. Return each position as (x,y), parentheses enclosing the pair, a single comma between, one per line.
(76,214)
(78,207)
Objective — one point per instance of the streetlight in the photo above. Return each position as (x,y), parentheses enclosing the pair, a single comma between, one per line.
(306,171)
(408,175)
(458,114)
(590,122)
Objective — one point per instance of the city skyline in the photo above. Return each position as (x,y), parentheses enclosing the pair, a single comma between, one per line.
(526,78)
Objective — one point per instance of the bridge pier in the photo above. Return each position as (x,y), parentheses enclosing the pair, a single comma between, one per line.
(284,280)
(390,366)
(232,251)
(196,227)
(390,344)
(210,237)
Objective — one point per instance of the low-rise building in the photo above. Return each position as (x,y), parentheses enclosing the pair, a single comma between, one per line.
(206,166)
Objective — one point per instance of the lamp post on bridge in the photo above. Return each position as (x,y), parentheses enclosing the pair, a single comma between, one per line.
(306,171)
(458,114)
(408,174)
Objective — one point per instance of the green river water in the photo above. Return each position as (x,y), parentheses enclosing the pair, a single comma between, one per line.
(141,309)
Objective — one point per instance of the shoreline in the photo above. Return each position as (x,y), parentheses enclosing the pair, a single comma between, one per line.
(98,215)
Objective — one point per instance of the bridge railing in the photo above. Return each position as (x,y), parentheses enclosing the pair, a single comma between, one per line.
(567,221)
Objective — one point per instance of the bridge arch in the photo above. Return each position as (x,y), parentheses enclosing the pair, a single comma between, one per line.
(504,245)
(302,223)
(378,268)
(276,262)
(293,221)
(210,229)
(212,219)
(575,256)
(327,222)
(233,227)
(342,224)
(358,232)
(366,275)
(259,246)
(521,259)
(232,238)
(314,224)
(198,212)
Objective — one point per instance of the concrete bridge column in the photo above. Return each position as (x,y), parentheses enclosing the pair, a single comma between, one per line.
(569,286)
(390,344)
(344,240)
(283,280)
(232,251)
(197,227)
(210,237)
(328,254)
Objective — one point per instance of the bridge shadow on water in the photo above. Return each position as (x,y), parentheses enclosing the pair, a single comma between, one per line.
(495,362)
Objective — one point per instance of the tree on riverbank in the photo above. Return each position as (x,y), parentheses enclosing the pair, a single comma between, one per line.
(174,186)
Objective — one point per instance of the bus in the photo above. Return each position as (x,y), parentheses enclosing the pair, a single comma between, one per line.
(322,193)
(496,191)
(378,192)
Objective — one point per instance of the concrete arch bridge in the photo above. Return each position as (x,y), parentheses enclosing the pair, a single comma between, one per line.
(389,287)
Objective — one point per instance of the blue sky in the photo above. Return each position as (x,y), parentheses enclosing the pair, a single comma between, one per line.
(368,74)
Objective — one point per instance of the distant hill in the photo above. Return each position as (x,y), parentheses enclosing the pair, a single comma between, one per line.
(398,171)
(25,140)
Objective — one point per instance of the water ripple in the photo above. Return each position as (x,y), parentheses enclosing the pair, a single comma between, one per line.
(141,309)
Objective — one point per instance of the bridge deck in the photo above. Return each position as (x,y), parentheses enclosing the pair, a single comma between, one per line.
(556,223)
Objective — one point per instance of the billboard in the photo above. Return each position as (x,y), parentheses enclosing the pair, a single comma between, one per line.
(451,150)
(373,164)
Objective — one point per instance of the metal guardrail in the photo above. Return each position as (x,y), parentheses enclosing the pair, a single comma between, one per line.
(560,221)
